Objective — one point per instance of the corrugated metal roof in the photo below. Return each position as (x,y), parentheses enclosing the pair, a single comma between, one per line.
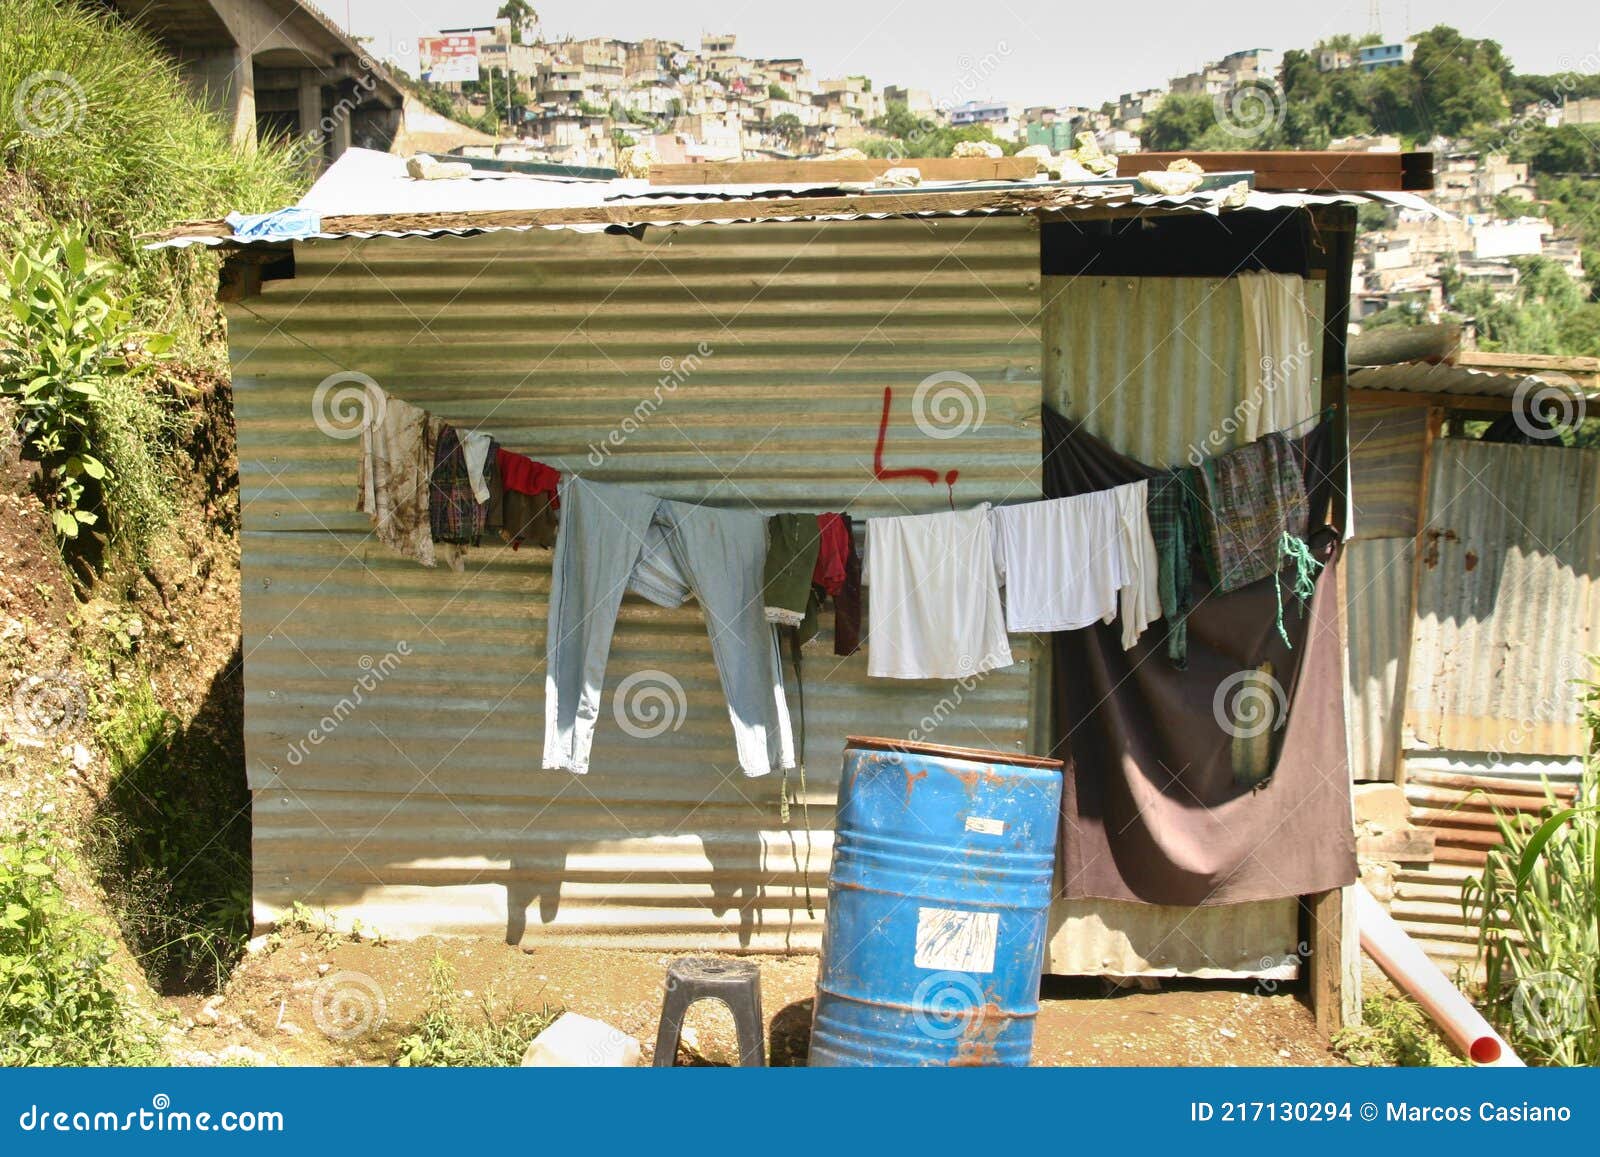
(1152,364)
(1508,605)
(1443,378)
(425,809)
(371,185)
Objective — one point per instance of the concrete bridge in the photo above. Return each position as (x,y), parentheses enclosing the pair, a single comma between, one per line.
(277,68)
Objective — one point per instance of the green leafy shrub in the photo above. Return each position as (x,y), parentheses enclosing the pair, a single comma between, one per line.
(450,1034)
(1393,1031)
(60,999)
(77,369)
(1537,906)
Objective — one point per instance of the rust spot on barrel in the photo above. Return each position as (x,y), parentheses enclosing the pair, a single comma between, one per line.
(1472,560)
(911,782)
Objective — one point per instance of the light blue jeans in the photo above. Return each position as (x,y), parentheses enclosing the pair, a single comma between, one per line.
(616,537)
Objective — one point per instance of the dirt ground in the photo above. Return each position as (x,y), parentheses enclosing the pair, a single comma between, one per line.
(268,1015)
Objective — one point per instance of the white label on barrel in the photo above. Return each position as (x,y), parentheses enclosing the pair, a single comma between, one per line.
(958,941)
(986,826)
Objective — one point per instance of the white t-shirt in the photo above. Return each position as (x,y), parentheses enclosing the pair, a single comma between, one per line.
(1062,561)
(934,609)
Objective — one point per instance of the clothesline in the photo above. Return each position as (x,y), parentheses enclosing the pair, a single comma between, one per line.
(937,610)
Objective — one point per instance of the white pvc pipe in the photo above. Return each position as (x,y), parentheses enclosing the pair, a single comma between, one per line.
(1407,965)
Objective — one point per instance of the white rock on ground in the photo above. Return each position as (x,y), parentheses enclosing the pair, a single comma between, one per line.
(576,1041)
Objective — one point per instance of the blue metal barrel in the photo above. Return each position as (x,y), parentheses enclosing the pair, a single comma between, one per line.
(943,864)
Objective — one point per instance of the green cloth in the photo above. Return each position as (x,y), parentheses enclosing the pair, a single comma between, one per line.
(1176,506)
(793,542)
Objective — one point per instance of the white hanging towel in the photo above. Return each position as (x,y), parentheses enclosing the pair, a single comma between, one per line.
(1139,598)
(934,610)
(396,467)
(1278,353)
(1067,563)
(475,446)
(1062,561)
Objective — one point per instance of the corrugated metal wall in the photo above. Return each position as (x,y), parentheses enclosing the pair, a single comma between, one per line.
(1508,604)
(423,806)
(1386,455)
(1154,365)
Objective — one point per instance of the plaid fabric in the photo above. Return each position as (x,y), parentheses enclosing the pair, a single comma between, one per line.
(1254,495)
(454,513)
(1176,506)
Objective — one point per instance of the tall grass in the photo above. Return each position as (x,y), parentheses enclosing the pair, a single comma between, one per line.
(97,121)
(1537,904)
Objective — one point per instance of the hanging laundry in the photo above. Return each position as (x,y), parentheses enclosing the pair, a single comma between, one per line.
(793,543)
(1176,511)
(1062,561)
(847,599)
(1254,496)
(1278,353)
(833,548)
(935,608)
(527,499)
(716,555)
(478,446)
(1139,599)
(455,514)
(396,468)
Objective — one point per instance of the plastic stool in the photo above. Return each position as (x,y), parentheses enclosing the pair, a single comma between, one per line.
(735,983)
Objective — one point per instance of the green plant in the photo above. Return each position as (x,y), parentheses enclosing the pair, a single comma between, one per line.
(65,336)
(1393,1031)
(451,1035)
(1537,907)
(60,999)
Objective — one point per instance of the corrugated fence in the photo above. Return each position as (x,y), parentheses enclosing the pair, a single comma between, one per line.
(394,714)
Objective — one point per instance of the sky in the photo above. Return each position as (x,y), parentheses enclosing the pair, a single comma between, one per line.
(1065,52)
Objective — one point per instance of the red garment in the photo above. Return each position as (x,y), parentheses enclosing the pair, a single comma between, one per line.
(522,474)
(832,552)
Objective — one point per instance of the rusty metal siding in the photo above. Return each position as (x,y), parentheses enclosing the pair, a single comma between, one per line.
(1386,444)
(1508,604)
(1154,364)
(1376,575)
(422,807)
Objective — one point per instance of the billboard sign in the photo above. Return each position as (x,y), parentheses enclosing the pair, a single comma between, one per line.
(449,59)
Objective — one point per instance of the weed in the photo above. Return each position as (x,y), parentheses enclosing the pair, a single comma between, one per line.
(451,1035)
(61,1002)
(1394,1031)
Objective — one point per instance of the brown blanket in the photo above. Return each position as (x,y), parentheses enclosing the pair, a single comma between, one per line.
(1153,809)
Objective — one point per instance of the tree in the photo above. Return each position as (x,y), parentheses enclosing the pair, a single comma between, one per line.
(520,13)
(787,126)
(1459,82)
(776,91)
(1565,149)
(1178,123)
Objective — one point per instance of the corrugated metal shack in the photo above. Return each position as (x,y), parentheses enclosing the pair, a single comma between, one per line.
(770,326)
(1471,607)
